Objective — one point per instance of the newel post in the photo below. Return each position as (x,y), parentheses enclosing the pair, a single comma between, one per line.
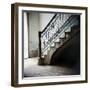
(40,58)
(39,33)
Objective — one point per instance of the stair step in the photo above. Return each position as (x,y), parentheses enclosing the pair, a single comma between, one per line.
(68,30)
(52,48)
(62,35)
(61,43)
(57,44)
(62,39)
(48,49)
(67,34)
(42,56)
(52,45)
(45,53)
(57,40)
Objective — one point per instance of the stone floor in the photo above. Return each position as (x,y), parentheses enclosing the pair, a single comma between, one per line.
(32,69)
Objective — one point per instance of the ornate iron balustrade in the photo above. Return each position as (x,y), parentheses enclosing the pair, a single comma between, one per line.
(55,28)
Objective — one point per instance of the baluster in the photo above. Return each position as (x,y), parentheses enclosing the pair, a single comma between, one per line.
(64,17)
(60,16)
(46,35)
(60,20)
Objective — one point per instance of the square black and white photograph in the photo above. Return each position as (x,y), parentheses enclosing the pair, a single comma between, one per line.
(51,44)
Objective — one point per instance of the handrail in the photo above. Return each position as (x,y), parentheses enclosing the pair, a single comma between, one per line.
(48,24)
(57,32)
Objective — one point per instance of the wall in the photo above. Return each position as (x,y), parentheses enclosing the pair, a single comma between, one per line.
(37,22)
(33,33)
(44,19)
(5,45)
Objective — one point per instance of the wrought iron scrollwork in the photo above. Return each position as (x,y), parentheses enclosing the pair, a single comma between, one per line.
(59,24)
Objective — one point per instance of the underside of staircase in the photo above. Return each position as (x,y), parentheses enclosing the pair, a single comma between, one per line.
(69,53)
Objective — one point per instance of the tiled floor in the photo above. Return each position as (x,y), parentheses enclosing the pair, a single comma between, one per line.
(32,69)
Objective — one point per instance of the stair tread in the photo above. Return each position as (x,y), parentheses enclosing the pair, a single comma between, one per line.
(57,44)
(58,40)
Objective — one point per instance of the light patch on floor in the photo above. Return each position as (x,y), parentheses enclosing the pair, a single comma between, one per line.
(32,69)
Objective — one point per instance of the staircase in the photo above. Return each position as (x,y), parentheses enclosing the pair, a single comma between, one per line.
(61,32)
